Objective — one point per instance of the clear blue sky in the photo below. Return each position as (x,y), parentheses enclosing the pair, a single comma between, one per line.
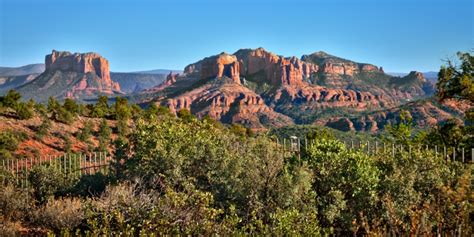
(400,35)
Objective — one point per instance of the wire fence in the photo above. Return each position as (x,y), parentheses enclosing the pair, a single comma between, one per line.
(465,155)
(69,165)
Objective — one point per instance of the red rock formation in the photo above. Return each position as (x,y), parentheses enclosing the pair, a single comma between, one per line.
(83,63)
(277,70)
(228,102)
(216,66)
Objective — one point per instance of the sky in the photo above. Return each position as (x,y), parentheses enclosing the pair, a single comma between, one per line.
(399,35)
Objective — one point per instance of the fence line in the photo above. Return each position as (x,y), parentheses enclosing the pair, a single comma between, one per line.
(294,145)
(70,165)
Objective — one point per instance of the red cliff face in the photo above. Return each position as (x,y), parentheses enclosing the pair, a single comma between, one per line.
(228,102)
(83,63)
(216,66)
(276,70)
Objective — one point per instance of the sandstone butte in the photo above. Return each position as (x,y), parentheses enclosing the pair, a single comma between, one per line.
(83,63)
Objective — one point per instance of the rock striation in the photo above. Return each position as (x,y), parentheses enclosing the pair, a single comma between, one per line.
(244,86)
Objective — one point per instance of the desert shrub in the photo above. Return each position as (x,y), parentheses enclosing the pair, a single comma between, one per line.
(101,109)
(91,185)
(104,135)
(14,203)
(9,141)
(130,209)
(24,110)
(48,182)
(67,147)
(43,128)
(65,116)
(86,131)
(415,190)
(63,214)
(71,106)
(185,115)
(248,173)
(293,222)
(10,100)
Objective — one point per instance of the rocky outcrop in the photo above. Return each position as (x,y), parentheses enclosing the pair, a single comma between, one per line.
(216,66)
(425,114)
(333,65)
(257,64)
(82,63)
(79,76)
(229,102)
(276,70)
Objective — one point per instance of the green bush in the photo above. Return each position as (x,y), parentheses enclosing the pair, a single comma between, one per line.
(24,110)
(48,182)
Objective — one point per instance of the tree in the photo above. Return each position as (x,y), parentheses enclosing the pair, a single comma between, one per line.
(101,108)
(86,132)
(185,115)
(104,135)
(402,131)
(71,106)
(457,82)
(43,128)
(53,107)
(11,99)
(345,182)
(122,110)
(24,110)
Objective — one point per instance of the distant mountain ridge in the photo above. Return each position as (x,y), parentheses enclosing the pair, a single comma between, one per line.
(23,70)
(431,76)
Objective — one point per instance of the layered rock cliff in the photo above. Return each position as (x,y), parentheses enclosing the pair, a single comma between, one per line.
(79,76)
(286,89)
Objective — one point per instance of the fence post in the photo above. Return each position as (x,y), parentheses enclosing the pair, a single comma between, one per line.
(445,154)
(352,144)
(463,155)
(454,153)
(17,166)
(376,147)
(472,155)
(306,144)
(368,148)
